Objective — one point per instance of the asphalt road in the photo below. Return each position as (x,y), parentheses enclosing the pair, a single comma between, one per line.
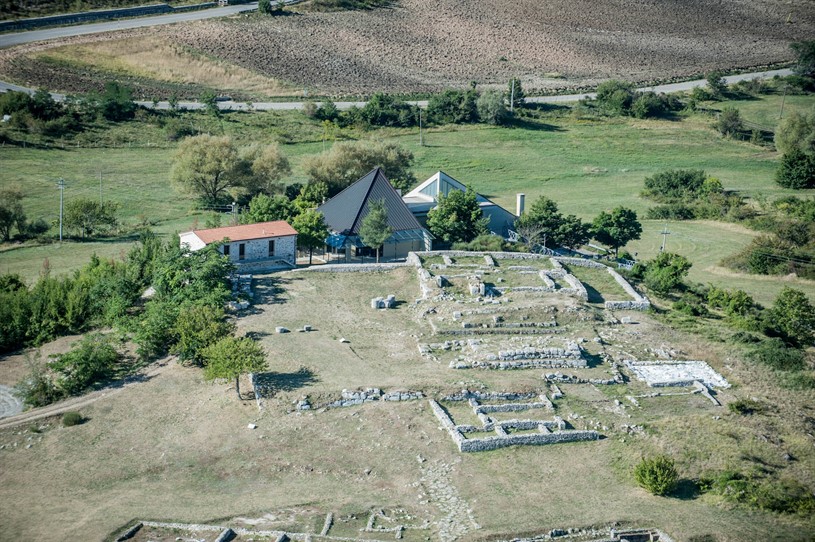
(18,38)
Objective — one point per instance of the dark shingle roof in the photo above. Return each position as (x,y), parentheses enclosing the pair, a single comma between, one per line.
(345,211)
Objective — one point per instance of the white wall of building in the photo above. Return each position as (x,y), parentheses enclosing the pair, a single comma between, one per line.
(191,241)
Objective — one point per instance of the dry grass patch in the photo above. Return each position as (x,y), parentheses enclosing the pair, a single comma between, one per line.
(154,57)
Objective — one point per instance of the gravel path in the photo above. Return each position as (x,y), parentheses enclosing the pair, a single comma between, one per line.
(457,519)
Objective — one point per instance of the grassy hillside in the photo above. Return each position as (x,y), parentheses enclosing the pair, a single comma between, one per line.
(585,164)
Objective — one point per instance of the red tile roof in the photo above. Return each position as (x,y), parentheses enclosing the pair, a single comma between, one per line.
(261,230)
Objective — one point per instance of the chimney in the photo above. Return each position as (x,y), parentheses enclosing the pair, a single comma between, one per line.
(519,205)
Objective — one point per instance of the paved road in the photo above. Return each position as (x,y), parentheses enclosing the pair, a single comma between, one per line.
(18,38)
(282,106)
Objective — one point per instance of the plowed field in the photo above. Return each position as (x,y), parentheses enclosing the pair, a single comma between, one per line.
(420,45)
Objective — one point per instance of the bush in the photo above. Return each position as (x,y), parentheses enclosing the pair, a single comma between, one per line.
(775,354)
(453,107)
(491,108)
(90,362)
(657,474)
(673,211)
(797,170)
(676,185)
(729,123)
(615,96)
(665,272)
(785,495)
(646,105)
(71,418)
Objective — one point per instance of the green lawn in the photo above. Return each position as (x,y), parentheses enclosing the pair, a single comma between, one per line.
(585,164)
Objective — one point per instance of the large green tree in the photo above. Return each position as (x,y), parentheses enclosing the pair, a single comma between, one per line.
(616,228)
(11,212)
(263,169)
(196,328)
(231,357)
(457,217)
(794,316)
(540,223)
(263,208)
(796,132)
(666,272)
(311,230)
(805,51)
(206,166)
(88,216)
(491,107)
(797,170)
(375,229)
(347,162)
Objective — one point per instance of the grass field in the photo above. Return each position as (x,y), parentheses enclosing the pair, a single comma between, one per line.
(584,164)
(174,448)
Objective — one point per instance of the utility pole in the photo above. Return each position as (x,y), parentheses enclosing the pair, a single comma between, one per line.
(61,186)
(100,187)
(665,233)
(234,213)
(512,97)
(421,141)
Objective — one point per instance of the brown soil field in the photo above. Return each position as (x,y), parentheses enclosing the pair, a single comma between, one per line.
(418,46)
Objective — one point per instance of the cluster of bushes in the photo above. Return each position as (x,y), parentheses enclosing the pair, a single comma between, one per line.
(782,495)
(90,362)
(98,294)
(691,194)
(619,98)
(40,114)
(787,247)
(450,107)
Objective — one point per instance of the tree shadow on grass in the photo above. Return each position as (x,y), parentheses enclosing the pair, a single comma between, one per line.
(535,126)
(686,490)
(269,290)
(270,383)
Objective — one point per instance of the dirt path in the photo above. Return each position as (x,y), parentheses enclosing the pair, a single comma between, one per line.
(457,519)
(9,404)
(75,403)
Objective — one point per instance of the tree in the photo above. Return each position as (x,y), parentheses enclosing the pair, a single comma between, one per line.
(347,162)
(89,216)
(796,131)
(196,328)
(457,217)
(729,122)
(491,108)
(311,230)
(515,93)
(375,229)
(264,168)
(540,223)
(201,276)
(665,272)
(572,232)
(805,51)
(12,214)
(716,84)
(265,7)
(657,474)
(797,170)
(617,228)
(206,166)
(263,208)
(615,96)
(231,357)
(794,317)
(311,195)
(117,103)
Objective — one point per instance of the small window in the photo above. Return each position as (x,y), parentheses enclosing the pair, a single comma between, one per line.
(241,251)
(226,250)
(271,248)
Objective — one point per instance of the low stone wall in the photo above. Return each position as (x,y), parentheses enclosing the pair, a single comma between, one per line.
(466,395)
(355,267)
(580,262)
(493,443)
(493,255)
(576,287)
(447,423)
(370,395)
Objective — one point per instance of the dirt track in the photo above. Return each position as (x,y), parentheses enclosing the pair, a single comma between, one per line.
(422,45)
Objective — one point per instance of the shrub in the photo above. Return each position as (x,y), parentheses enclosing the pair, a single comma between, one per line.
(491,108)
(794,317)
(729,123)
(646,105)
(453,107)
(785,495)
(615,96)
(71,418)
(657,474)
(797,170)
(675,185)
(774,353)
(666,272)
(90,362)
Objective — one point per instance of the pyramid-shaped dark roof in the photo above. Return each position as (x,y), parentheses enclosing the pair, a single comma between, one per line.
(345,211)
